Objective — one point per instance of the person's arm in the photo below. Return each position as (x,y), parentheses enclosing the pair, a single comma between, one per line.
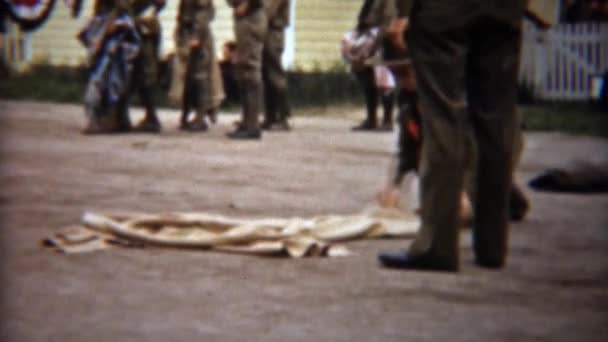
(388,197)
(396,30)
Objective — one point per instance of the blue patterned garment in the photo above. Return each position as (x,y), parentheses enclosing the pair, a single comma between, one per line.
(112,56)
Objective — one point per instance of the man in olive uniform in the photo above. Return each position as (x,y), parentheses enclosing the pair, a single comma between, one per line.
(250,28)
(466,54)
(274,76)
(145,73)
(195,41)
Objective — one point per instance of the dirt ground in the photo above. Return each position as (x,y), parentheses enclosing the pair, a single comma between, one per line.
(554,288)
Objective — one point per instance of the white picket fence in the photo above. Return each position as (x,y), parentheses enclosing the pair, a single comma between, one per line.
(564,63)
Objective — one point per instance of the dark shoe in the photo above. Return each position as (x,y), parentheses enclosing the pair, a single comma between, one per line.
(148,126)
(245,134)
(197,125)
(183,122)
(386,127)
(212,116)
(276,126)
(403,260)
(365,126)
(282,125)
(267,125)
(493,264)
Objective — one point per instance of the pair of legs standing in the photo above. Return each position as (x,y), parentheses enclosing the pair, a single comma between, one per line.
(467,78)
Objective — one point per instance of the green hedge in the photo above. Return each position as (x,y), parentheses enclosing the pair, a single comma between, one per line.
(313,90)
(66,84)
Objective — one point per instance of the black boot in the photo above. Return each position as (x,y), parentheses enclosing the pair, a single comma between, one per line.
(150,123)
(251,97)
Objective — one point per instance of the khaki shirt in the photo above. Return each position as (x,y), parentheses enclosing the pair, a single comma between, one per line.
(277,12)
(194,16)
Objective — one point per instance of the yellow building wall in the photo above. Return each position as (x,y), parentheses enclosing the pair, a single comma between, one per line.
(55,41)
(319,27)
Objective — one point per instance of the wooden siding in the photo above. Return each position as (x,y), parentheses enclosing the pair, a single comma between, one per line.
(319,27)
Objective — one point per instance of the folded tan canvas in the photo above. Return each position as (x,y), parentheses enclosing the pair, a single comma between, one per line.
(295,237)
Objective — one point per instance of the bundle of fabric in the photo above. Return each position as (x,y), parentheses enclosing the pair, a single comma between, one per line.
(293,237)
(578,177)
(358,48)
(112,44)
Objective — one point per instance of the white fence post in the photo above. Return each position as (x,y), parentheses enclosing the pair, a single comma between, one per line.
(558,63)
(289,54)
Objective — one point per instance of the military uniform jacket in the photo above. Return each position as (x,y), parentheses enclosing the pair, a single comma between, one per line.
(194,17)
(251,4)
(277,12)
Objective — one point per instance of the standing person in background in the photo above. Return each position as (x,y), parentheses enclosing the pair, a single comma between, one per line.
(196,46)
(250,25)
(227,67)
(145,73)
(107,91)
(277,109)
(466,54)
(410,138)
(376,14)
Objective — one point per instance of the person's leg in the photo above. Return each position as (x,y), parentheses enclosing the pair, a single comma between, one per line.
(270,108)
(388,103)
(518,202)
(146,83)
(148,98)
(492,87)
(439,60)
(410,138)
(276,76)
(202,83)
(187,102)
(250,34)
(365,76)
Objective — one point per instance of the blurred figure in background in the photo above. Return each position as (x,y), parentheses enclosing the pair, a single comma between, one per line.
(277,109)
(228,70)
(195,44)
(146,74)
(374,16)
(250,27)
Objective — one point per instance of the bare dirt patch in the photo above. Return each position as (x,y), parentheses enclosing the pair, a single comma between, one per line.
(555,287)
